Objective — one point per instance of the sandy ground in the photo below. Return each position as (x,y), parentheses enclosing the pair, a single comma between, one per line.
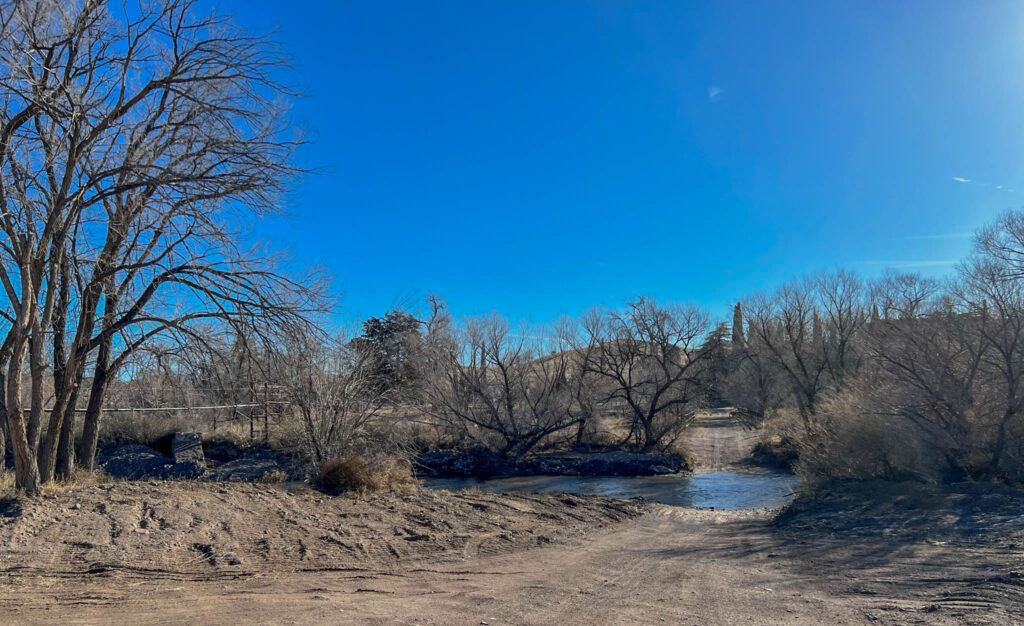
(472,558)
(676,566)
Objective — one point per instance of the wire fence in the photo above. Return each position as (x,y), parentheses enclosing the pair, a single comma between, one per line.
(266,403)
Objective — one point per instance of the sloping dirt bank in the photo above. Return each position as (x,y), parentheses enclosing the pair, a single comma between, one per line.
(917,553)
(198,530)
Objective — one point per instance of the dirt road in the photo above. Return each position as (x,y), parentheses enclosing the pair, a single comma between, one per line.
(674,566)
(716,441)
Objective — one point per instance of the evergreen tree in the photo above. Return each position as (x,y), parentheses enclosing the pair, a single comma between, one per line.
(391,343)
(737,326)
(714,351)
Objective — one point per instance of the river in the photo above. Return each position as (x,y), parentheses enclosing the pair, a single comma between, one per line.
(719,490)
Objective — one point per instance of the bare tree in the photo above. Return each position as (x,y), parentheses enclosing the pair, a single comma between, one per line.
(584,385)
(926,361)
(950,358)
(134,149)
(338,397)
(648,356)
(807,330)
(500,387)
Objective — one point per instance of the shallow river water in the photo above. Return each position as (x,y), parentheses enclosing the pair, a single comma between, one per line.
(720,490)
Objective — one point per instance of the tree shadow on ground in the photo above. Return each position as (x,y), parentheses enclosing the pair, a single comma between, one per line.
(904,548)
(10,507)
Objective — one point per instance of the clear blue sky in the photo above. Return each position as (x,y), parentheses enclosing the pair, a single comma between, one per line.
(539,157)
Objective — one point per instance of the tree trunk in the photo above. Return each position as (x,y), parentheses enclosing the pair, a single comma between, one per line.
(3,429)
(93,412)
(650,439)
(999,447)
(91,427)
(3,418)
(26,470)
(66,444)
(37,368)
(48,446)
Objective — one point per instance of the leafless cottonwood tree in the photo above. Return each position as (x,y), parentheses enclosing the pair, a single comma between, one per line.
(807,331)
(753,383)
(136,143)
(935,365)
(584,385)
(647,356)
(497,383)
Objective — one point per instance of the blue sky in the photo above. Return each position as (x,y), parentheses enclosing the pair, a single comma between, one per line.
(540,157)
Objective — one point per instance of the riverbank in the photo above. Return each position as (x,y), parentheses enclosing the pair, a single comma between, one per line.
(484,464)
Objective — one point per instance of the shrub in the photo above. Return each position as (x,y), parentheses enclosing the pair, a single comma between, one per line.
(355,474)
(776,451)
(853,443)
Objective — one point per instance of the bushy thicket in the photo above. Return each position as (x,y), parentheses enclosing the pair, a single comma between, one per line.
(903,377)
(356,474)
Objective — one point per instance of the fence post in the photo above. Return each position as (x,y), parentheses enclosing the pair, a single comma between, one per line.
(266,413)
(252,419)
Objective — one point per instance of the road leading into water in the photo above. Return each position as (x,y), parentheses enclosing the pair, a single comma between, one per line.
(672,566)
(716,441)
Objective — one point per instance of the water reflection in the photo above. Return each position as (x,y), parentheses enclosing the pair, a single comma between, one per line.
(721,490)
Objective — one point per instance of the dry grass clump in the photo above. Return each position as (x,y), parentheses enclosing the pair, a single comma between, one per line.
(6,482)
(273,477)
(355,474)
(80,478)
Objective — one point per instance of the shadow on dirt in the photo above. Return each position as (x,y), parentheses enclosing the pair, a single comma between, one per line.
(950,552)
(10,507)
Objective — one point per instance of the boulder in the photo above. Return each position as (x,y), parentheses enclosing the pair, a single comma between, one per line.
(257,465)
(188,448)
(137,462)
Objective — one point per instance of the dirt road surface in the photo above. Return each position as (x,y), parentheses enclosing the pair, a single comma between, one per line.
(674,566)
(716,441)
